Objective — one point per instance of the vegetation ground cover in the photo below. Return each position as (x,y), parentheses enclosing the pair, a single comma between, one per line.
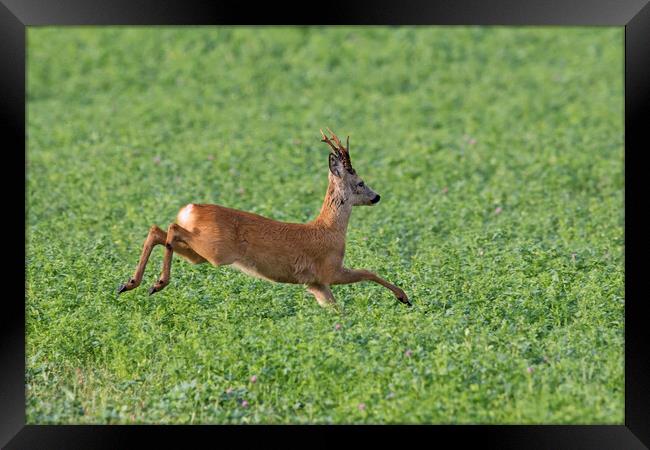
(498,153)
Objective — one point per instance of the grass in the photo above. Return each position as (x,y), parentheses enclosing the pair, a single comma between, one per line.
(498,153)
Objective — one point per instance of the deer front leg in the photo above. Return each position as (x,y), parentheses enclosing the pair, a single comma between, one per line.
(155,237)
(347,276)
(323,294)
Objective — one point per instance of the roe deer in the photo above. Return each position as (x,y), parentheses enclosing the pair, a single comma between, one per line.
(310,253)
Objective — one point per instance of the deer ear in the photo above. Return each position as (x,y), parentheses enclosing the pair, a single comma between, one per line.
(336,166)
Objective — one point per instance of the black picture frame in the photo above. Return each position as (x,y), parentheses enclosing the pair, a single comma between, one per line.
(634,15)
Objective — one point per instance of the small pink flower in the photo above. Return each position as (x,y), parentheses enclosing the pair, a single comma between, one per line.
(156,159)
(498,210)
(445,190)
(361,406)
(210,157)
(472,141)
(337,326)
(408,353)
(254,379)
(244,404)
(530,370)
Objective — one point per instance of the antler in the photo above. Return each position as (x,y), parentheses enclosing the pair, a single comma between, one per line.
(339,150)
(326,139)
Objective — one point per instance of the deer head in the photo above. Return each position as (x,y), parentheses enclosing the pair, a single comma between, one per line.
(350,187)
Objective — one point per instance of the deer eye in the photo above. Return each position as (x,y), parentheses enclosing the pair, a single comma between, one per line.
(360,184)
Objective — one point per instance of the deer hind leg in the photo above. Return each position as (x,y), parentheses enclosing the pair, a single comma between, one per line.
(187,253)
(323,294)
(155,237)
(347,276)
(178,240)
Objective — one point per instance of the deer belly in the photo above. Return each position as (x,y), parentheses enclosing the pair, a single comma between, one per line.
(278,271)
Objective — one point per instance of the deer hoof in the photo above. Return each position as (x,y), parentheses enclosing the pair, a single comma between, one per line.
(152,290)
(404,299)
(121,289)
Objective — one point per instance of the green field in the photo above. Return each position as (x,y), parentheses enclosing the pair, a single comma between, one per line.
(498,153)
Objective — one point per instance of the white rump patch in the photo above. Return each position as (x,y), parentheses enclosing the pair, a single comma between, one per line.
(184,215)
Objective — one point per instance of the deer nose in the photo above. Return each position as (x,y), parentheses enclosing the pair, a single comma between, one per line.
(376,199)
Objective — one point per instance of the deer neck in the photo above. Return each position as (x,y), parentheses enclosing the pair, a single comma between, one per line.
(336,210)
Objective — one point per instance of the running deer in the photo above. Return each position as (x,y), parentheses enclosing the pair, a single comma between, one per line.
(310,254)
